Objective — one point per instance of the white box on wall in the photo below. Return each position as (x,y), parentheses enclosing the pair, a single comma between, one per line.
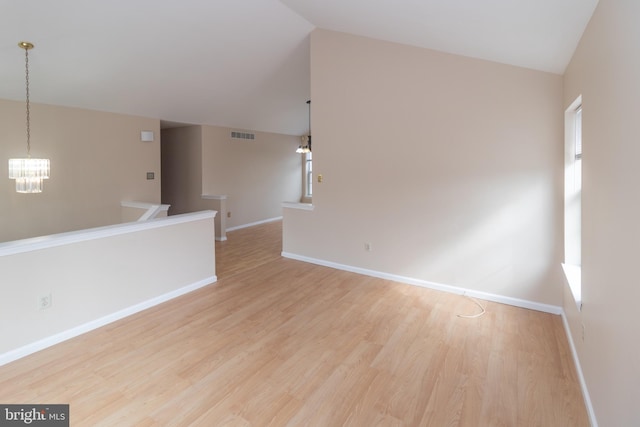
(146,136)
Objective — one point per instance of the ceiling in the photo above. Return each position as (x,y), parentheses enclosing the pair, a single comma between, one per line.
(245,64)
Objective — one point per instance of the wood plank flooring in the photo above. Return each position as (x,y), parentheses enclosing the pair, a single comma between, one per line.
(284,343)
(237,253)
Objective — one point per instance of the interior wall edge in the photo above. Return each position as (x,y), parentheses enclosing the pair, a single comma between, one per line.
(576,361)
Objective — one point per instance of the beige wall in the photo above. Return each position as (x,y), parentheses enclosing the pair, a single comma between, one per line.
(256,175)
(182,175)
(605,69)
(97,160)
(450,167)
(182,169)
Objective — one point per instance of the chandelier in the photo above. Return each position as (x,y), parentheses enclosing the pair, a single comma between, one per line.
(29,173)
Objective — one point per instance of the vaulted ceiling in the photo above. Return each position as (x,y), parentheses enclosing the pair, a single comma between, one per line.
(245,63)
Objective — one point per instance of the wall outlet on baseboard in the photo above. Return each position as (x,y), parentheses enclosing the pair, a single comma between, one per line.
(44,301)
(368,247)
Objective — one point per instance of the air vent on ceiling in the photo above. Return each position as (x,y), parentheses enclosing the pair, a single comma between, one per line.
(242,135)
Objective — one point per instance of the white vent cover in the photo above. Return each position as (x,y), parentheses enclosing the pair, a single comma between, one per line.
(242,135)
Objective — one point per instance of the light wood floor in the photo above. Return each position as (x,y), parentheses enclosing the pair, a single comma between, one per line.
(248,248)
(282,342)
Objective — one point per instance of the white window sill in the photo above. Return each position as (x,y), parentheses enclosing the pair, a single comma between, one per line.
(214,197)
(302,206)
(573,274)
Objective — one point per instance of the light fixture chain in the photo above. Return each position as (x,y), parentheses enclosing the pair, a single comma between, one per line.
(29,173)
(26,62)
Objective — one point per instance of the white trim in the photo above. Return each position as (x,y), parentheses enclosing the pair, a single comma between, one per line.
(221,239)
(152,209)
(151,212)
(143,205)
(53,240)
(583,383)
(577,103)
(573,275)
(214,197)
(28,349)
(547,308)
(137,205)
(251,224)
(295,205)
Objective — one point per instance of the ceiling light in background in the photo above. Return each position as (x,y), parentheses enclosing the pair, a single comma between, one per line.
(306,139)
(29,173)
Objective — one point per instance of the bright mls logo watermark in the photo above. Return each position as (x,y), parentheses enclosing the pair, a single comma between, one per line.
(34,415)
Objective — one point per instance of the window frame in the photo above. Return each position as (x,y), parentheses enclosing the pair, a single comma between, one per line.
(307,177)
(572,265)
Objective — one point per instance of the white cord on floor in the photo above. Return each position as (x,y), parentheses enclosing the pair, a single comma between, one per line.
(473,316)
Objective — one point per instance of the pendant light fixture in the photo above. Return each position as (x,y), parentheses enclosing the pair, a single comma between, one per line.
(29,173)
(306,148)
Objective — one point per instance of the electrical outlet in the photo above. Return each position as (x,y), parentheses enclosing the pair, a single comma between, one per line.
(228,214)
(367,247)
(44,301)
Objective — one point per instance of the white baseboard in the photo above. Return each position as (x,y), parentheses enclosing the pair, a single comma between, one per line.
(221,239)
(547,308)
(28,349)
(583,383)
(251,224)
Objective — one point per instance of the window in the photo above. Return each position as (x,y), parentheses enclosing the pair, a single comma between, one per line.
(309,175)
(578,133)
(573,199)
